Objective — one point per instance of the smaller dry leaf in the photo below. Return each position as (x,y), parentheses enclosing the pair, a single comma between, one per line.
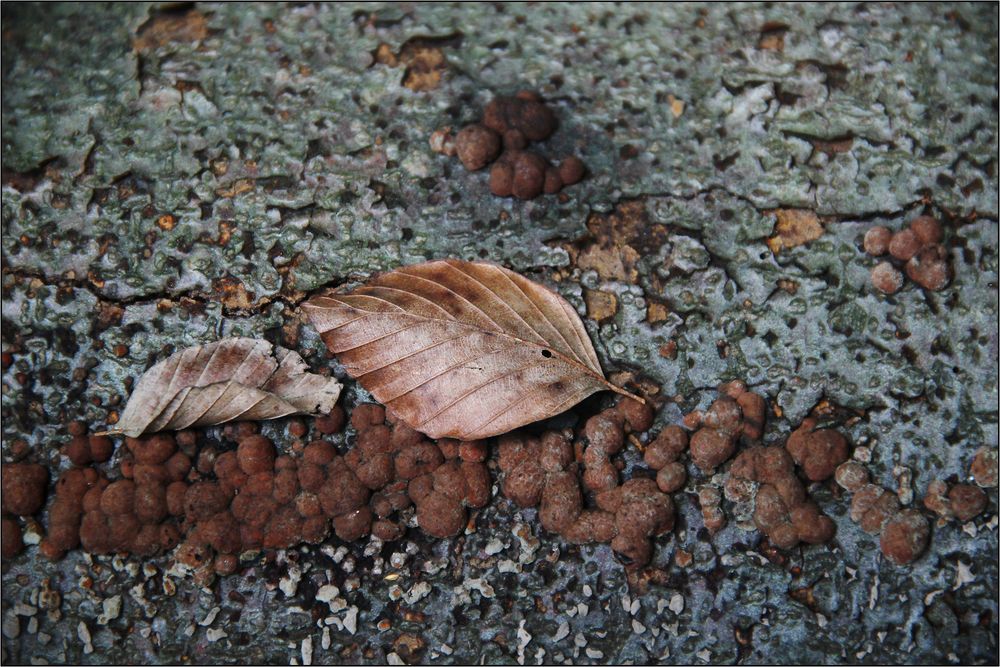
(235,378)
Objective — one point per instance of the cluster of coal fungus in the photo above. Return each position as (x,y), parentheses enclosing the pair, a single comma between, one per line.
(501,138)
(576,483)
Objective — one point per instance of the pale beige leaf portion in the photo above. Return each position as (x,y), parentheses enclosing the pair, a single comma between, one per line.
(235,378)
(460,349)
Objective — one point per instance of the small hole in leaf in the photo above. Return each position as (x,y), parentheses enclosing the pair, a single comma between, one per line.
(546,354)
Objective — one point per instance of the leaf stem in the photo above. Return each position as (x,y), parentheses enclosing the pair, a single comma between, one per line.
(619,390)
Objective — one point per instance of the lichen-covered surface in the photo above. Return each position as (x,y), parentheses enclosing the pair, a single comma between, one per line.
(170,177)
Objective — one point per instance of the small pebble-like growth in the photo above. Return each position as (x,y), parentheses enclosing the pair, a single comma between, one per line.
(903,533)
(508,126)
(917,248)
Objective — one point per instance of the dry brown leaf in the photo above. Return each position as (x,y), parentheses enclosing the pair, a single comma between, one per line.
(459,349)
(235,378)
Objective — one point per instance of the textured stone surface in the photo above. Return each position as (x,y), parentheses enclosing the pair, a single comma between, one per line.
(169,178)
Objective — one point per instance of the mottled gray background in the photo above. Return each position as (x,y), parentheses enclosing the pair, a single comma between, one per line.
(287,159)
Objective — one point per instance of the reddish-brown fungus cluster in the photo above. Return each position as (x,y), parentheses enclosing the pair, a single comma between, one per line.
(508,126)
(217,505)
(903,533)
(964,501)
(24,486)
(576,484)
(917,247)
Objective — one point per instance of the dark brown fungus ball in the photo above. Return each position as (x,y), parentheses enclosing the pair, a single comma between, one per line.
(187,441)
(725,416)
(122,529)
(23,487)
(514,140)
(311,477)
(449,447)
(562,501)
(556,451)
(591,526)
(307,504)
(529,175)
(256,454)
(367,414)
(535,120)
(553,183)
(332,422)
(177,466)
(450,480)
(286,486)
(314,529)
(851,475)
(343,493)
(225,564)
(512,449)
(12,539)
(202,500)
(94,533)
(710,448)
(572,170)
(600,476)
(153,449)
(259,484)
(525,483)
(477,146)
(877,241)
(530,116)
(754,409)
(374,439)
(386,530)
(440,516)
(904,244)
(872,506)
(811,526)
(637,416)
(118,498)
(927,229)
(420,487)
(375,471)
(502,178)
(984,468)
(671,477)
(353,525)
(967,501)
(473,451)
(148,473)
(403,436)
(904,537)
(283,529)
(477,484)
(819,452)
(632,546)
(418,460)
(319,452)
(151,503)
(604,433)
(666,448)
(929,268)
(77,450)
(175,495)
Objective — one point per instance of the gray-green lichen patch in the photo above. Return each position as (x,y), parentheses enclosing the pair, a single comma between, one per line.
(173,174)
